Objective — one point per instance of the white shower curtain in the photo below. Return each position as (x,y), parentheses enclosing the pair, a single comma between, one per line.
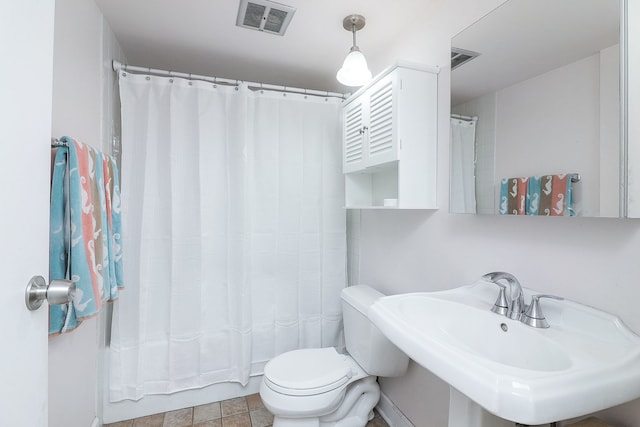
(234,232)
(463,181)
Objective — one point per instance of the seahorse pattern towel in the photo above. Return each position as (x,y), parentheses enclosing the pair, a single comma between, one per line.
(85,232)
(556,195)
(513,196)
(550,195)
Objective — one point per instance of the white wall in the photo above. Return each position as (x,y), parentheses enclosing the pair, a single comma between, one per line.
(81,105)
(550,124)
(590,260)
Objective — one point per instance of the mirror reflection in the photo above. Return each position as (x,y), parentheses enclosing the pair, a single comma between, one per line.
(535,125)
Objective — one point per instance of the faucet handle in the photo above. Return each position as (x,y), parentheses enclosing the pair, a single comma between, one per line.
(501,306)
(533,316)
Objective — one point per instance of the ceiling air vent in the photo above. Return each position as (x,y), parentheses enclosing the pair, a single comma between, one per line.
(461,56)
(263,15)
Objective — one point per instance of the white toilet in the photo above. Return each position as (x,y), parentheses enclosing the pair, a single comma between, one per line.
(320,387)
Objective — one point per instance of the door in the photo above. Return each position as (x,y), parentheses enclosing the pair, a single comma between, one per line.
(353,135)
(382,143)
(26,50)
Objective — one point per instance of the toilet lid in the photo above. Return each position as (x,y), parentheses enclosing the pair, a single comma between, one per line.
(307,371)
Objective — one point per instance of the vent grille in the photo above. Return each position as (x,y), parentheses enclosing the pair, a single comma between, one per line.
(461,56)
(266,16)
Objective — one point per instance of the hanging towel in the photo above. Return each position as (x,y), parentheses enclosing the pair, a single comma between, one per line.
(533,195)
(556,195)
(550,195)
(85,232)
(513,196)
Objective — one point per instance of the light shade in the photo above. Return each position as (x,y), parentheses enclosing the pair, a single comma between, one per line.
(354,71)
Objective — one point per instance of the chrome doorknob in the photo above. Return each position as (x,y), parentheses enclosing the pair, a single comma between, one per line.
(56,293)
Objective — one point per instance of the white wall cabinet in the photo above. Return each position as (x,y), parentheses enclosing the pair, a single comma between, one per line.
(390,141)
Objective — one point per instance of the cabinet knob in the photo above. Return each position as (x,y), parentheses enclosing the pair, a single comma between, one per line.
(363,130)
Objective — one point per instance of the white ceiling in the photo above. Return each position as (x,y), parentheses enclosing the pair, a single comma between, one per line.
(200,37)
(525,38)
(518,40)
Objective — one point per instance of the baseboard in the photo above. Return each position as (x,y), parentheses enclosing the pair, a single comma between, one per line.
(391,414)
(96,422)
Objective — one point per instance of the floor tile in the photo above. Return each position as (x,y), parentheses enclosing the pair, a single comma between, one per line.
(179,418)
(234,406)
(127,423)
(246,411)
(155,420)
(377,421)
(210,423)
(207,412)
(254,401)
(238,420)
(261,418)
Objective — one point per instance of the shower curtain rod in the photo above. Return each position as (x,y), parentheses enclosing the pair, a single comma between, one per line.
(118,66)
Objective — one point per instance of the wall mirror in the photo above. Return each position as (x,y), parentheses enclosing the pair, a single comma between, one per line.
(535,91)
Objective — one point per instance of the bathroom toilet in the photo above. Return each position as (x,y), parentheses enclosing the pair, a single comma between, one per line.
(320,387)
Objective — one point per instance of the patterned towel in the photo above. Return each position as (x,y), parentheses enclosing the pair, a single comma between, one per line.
(550,195)
(556,195)
(533,196)
(513,196)
(85,232)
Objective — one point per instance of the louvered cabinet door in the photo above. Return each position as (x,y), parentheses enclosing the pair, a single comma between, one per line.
(382,134)
(354,136)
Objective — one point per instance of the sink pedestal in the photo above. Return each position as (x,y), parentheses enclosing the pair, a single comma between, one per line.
(464,412)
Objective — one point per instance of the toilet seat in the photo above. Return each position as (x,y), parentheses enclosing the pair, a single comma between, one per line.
(308,372)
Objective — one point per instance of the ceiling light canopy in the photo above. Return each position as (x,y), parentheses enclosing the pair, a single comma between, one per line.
(354,71)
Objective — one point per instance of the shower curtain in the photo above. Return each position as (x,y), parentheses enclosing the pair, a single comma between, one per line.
(234,229)
(463,180)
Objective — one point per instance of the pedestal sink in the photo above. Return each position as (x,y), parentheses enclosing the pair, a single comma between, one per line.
(587,360)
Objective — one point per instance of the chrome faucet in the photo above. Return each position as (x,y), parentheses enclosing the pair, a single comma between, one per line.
(533,316)
(514,306)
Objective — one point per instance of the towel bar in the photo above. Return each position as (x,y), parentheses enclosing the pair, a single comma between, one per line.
(55,142)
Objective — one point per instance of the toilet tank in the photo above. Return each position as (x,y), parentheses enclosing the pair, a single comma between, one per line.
(365,343)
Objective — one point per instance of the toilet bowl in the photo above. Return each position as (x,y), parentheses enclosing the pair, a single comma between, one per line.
(321,387)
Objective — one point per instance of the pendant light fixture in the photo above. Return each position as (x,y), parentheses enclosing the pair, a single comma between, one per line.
(354,71)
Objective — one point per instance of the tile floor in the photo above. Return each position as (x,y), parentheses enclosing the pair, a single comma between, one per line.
(240,412)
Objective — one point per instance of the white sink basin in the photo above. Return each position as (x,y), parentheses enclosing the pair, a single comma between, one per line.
(586,361)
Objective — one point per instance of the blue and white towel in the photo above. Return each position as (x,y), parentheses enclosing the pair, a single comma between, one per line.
(85,232)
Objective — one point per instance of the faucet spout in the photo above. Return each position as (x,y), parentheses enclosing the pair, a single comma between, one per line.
(516,298)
